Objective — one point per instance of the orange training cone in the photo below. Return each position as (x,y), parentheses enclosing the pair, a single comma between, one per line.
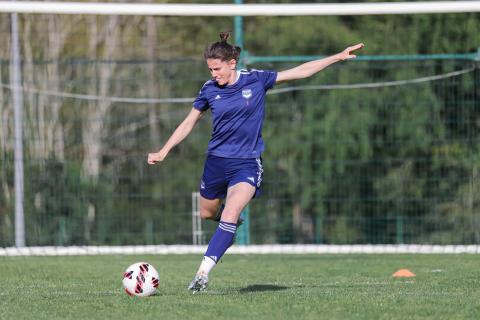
(403,273)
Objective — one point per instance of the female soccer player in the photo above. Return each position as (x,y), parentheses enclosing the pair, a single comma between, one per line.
(233,167)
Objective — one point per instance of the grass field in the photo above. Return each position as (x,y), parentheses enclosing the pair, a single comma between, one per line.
(245,287)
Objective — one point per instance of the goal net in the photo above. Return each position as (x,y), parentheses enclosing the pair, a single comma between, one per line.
(380,150)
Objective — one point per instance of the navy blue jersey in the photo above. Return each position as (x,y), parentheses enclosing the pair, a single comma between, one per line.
(238,111)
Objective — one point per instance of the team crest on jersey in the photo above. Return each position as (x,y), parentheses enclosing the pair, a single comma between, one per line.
(247,93)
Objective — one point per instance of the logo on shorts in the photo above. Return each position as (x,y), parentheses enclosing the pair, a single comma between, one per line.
(202,185)
(251,179)
(247,93)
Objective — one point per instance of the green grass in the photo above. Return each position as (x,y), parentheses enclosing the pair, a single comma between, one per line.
(245,287)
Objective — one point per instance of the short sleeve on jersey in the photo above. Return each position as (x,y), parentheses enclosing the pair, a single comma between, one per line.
(266,77)
(201,102)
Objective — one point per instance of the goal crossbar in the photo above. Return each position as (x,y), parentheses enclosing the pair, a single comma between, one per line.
(303,9)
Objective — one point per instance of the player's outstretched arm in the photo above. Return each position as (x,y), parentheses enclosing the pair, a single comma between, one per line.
(180,133)
(310,68)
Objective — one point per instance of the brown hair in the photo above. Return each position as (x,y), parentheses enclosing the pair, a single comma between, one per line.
(222,50)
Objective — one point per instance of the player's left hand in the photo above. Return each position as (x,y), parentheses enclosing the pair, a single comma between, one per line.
(347,53)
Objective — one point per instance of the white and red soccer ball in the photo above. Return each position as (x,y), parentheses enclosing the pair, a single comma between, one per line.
(140,279)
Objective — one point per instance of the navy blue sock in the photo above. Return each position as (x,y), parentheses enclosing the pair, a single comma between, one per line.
(221,240)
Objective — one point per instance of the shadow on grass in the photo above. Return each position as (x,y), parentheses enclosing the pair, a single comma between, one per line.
(262,288)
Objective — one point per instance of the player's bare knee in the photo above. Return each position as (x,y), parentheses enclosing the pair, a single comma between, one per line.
(206,214)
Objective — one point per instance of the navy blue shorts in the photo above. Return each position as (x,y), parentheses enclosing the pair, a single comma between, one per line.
(221,173)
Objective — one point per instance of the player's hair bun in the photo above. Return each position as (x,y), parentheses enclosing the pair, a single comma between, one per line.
(222,49)
(225,35)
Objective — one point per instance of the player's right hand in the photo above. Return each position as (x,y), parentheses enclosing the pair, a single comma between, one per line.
(155,157)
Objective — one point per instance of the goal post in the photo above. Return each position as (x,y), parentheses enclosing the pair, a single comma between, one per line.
(198,238)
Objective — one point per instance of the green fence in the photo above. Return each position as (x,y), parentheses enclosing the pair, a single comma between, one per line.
(373,151)
(383,149)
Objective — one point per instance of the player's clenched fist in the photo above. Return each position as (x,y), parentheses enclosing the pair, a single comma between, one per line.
(155,157)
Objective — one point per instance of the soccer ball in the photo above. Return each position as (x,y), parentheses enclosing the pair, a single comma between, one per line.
(140,279)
